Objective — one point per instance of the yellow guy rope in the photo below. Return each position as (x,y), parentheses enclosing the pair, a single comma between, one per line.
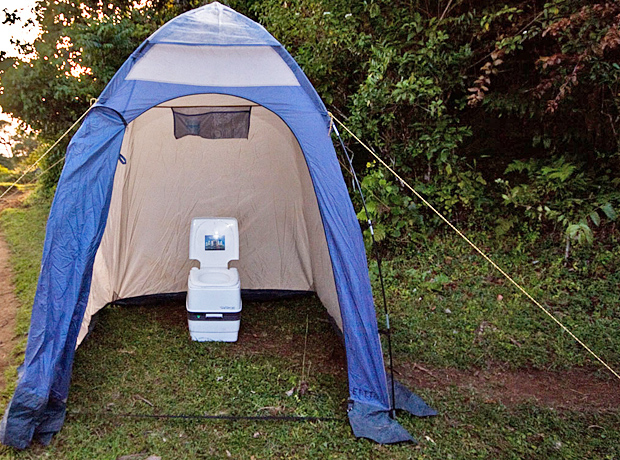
(487,258)
(33,165)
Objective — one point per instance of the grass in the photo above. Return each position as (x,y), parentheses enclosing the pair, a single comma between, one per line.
(20,187)
(24,229)
(464,313)
(140,360)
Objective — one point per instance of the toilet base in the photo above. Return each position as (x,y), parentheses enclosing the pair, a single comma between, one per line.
(214,336)
(214,326)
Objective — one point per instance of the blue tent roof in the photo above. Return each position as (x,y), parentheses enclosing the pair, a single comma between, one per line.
(79,211)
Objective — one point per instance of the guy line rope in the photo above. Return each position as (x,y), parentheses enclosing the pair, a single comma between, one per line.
(487,258)
(34,165)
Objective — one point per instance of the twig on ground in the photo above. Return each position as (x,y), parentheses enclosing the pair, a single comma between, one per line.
(417,366)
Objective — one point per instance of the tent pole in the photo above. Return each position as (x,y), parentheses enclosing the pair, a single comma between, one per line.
(358,186)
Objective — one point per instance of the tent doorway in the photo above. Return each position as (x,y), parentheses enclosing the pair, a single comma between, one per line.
(165,181)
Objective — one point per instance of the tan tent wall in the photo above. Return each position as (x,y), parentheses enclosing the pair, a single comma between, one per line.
(263,181)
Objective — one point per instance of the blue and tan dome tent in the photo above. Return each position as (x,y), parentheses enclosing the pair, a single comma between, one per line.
(210,116)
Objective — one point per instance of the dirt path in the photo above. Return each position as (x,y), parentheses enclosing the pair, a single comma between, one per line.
(8,301)
(576,389)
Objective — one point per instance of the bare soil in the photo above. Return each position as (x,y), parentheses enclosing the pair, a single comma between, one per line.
(578,389)
(8,300)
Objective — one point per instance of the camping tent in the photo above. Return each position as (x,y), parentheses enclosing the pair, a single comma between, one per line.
(141,166)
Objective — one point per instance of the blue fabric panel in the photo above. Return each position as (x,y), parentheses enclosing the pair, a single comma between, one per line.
(371,422)
(368,421)
(74,230)
(409,401)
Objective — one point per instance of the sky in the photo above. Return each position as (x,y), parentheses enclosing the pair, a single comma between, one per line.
(17,31)
(24,11)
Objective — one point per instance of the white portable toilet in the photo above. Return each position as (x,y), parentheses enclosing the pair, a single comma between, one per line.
(213,290)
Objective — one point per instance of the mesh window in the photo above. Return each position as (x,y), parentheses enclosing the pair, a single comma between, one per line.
(212,122)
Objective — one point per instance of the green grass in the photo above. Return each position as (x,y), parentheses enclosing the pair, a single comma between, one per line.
(24,230)
(21,187)
(140,360)
(143,353)
(451,308)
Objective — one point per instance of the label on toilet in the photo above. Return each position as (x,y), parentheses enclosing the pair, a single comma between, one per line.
(215,243)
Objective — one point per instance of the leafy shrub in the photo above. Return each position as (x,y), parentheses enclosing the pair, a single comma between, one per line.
(561,193)
(395,216)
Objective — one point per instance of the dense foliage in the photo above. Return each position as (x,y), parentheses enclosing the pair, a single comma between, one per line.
(505,114)
(502,111)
